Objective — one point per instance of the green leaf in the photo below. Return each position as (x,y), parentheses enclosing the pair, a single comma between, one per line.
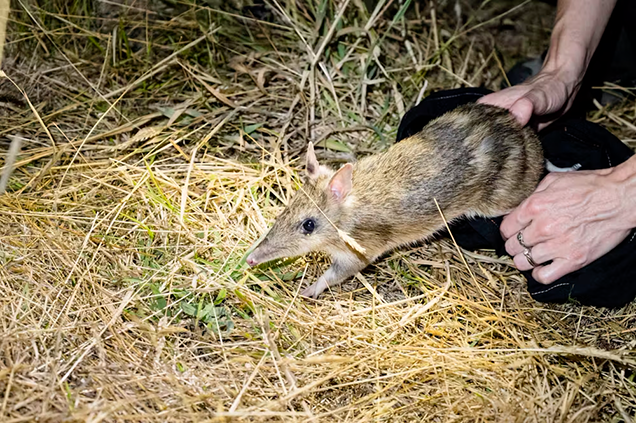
(220,296)
(204,313)
(167,111)
(341,50)
(193,113)
(159,302)
(251,128)
(332,144)
(94,41)
(189,309)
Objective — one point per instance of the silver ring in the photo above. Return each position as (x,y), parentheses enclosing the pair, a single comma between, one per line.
(520,239)
(528,253)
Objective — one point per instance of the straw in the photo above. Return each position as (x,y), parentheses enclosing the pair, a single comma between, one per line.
(161,139)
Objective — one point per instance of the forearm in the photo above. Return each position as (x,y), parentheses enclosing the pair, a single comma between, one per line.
(577,32)
(578,28)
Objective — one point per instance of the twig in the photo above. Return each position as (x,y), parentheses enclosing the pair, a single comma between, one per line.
(4,18)
(14,149)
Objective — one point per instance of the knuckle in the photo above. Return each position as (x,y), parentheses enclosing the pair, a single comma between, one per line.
(550,228)
(533,206)
(510,247)
(510,250)
(543,230)
(505,229)
(549,178)
(578,257)
(543,276)
(520,262)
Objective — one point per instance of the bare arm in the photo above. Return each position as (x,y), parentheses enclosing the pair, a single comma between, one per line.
(578,28)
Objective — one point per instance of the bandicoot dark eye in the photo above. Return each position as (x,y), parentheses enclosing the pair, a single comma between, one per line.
(309,225)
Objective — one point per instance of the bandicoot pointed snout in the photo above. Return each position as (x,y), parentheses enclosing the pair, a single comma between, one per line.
(251,261)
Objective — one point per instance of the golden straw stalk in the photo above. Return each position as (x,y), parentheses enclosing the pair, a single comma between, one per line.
(4,18)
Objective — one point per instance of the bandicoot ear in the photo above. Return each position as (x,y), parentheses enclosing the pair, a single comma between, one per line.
(312,166)
(341,182)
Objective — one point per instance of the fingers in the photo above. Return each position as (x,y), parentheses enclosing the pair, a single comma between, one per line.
(514,247)
(522,110)
(554,271)
(541,99)
(528,211)
(538,230)
(523,101)
(512,99)
(504,98)
(548,180)
(546,96)
(515,221)
(551,272)
(540,253)
(556,266)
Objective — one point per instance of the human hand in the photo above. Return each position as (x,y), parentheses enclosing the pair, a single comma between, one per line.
(571,219)
(546,96)
(578,28)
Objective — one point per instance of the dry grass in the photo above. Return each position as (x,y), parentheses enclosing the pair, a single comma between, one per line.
(159,141)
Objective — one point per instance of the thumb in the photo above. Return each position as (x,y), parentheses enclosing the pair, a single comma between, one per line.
(522,110)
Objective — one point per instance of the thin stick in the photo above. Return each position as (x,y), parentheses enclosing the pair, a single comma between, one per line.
(33,109)
(4,18)
(184,191)
(14,149)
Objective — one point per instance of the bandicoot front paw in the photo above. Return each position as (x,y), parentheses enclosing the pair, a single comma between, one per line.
(314,290)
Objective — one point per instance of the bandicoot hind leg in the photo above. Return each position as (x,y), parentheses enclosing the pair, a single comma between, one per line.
(342,267)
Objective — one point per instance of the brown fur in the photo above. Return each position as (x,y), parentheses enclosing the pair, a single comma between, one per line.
(475,161)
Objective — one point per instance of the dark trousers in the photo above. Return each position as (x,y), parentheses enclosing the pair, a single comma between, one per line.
(609,281)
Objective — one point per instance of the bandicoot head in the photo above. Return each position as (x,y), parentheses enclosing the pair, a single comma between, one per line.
(307,223)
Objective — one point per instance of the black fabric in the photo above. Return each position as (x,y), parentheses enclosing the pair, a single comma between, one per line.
(609,281)
(614,59)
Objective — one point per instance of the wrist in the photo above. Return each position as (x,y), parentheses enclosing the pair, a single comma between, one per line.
(567,60)
(577,31)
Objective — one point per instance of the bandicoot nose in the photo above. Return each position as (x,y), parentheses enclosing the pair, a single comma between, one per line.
(251,261)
